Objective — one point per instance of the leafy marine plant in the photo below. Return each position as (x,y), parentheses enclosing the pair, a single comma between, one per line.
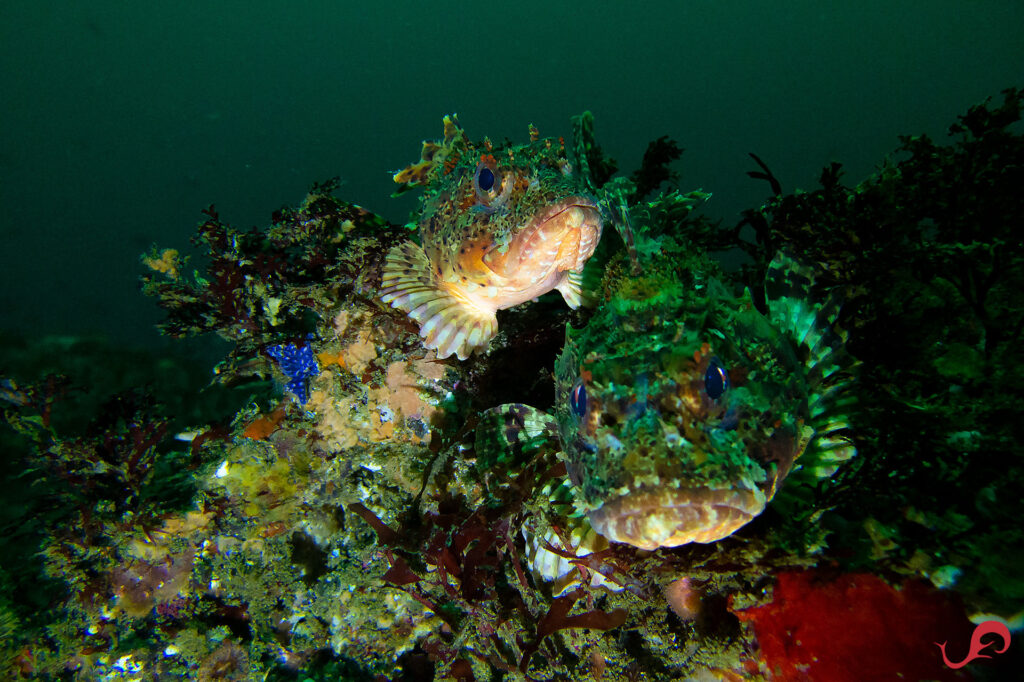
(264,286)
(928,258)
(91,491)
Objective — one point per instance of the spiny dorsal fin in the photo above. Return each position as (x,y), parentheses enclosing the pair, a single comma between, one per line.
(433,155)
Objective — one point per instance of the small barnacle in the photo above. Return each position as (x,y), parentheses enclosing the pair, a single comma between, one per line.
(271,307)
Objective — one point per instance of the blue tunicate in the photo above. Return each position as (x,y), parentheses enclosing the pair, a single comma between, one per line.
(299,364)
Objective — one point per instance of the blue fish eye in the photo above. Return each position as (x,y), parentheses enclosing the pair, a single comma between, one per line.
(578,399)
(485,179)
(716,380)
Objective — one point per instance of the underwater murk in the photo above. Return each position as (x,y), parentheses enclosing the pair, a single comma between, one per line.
(417,461)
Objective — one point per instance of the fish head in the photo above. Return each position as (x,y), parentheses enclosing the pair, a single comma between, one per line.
(503,224)
(681,408)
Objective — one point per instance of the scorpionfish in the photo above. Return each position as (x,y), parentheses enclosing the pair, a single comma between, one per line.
(681,408)
(499,225)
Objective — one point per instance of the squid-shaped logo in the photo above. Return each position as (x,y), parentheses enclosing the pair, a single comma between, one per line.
(988,627)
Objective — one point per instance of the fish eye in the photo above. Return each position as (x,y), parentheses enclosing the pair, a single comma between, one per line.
(578,399)
(716,380)
(491,185)
(485,179)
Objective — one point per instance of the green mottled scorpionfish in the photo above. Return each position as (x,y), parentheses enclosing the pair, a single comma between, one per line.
(680,408)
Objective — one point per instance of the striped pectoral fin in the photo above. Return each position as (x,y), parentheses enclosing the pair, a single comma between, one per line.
(571,288)
(557,567)
(512,433)
(832,446)
(449,324)
(810,324)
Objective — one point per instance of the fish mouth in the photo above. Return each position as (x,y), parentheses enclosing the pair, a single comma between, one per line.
(670,517)
(560,237)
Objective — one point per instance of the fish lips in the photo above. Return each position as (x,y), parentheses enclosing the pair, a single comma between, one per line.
(669,517)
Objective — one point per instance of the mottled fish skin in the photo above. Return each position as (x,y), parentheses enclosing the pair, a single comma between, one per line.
(681,408)
(500,225)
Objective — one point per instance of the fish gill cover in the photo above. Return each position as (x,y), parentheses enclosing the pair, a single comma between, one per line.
(377,512)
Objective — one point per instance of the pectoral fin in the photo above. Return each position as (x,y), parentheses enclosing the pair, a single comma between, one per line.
(448,323)
(571,288)
(513,433)
(811,327)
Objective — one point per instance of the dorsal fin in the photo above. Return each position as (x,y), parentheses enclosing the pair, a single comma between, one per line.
(433,155)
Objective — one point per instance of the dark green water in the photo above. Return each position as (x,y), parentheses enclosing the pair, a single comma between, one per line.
(120,121)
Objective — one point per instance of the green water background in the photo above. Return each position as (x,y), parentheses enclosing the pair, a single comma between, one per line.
(119,121)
